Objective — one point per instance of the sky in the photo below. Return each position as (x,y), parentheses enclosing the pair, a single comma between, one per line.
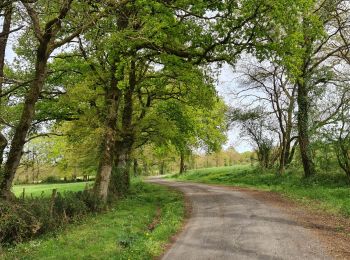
(227,83)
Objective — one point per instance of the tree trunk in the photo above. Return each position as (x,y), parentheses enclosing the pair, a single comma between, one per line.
(3,43)
(3,144)
(303,128)
(289,152)
(113,98)
(27,117)
(182,162)
(123,147)
(104,170)
(120,182)
(136,167)
(126,144)
(162,168)
(126,172)
(282,155)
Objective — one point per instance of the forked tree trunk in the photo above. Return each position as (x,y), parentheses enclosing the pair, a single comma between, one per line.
(303,128)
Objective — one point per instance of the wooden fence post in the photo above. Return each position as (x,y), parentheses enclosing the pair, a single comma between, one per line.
(53,197)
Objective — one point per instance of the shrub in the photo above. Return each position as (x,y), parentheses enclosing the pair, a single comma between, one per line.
(17,222)
(92,202)
(24,219)
(68,206)
(52,179)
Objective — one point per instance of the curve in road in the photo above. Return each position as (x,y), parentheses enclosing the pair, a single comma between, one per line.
(229,224)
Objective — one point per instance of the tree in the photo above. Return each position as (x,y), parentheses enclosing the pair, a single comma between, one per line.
(160,36)
(256,126)
(305,38)
(267,85)
(51,32)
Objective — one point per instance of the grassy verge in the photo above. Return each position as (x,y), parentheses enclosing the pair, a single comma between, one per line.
(127,231)
(45,190)
(330,192)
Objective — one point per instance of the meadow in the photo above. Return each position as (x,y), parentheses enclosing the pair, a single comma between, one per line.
(45,190)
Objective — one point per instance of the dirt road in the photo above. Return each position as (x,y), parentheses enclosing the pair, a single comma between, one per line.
(229,224)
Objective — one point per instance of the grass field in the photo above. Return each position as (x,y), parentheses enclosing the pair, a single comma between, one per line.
(330,192)
(124,232)
(45,190)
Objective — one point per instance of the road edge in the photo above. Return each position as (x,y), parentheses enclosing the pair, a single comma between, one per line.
(188,207)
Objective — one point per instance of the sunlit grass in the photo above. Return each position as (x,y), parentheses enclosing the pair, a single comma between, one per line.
(45,190)
(330,192)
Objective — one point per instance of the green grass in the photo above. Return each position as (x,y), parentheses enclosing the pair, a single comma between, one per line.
(121,233)
(330,192)
(45,190)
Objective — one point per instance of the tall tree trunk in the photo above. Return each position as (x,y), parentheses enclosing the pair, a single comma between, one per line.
(3,43)
(162,167)
(26,119)
(126,171)
(289,153)
(128,138)
(109,157)
(120,183)
(3,145)
(136,167)
(182,162)
(122,147)
(112,99)
(303,128)
(282,155)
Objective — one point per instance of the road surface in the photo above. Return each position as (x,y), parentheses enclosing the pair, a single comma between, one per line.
(229,224)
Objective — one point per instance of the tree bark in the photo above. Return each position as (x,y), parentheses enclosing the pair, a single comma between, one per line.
(162,168)
(282,155)
(126,171)
(109,157)
(303,128)
(112,98)
(26,119)
(123,146)
(3,43)
(127,134)
(182,162)
(136,167)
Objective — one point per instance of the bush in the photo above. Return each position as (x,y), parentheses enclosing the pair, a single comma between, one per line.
(24,219)
(17,223)
(69,206)
(52,179)
(93,203)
